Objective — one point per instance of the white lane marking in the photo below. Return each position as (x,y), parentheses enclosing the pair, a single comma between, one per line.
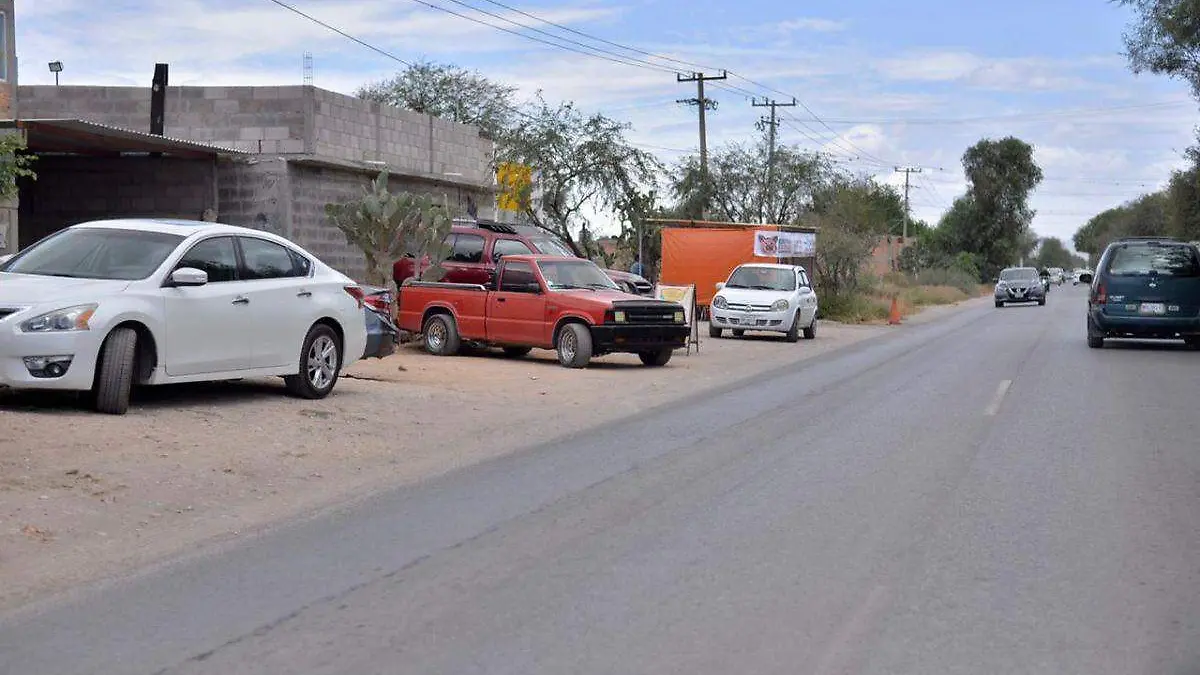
(840,654)
(994,406)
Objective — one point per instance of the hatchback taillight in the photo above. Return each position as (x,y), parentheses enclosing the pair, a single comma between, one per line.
(356,293)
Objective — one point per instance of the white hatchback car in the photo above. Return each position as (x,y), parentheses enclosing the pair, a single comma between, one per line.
(103,306)
(765,297)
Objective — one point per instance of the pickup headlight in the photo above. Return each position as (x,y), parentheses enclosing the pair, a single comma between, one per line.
(719,302)
(61,320)
(680,317)
(779,305)
(619,317)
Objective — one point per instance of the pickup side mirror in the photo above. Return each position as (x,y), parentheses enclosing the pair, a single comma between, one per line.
(189,276)
(720,285)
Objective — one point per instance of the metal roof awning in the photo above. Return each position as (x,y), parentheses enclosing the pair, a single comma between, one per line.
(723,225)
(81,137)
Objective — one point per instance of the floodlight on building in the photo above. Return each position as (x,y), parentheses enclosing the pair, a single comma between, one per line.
(56,67)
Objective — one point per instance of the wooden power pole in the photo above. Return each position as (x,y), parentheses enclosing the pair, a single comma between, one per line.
(703,104)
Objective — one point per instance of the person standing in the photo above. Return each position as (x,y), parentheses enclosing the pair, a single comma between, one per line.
(636,267)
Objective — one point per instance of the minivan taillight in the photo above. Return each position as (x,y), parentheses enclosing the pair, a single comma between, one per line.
(356,293)
(1101,296)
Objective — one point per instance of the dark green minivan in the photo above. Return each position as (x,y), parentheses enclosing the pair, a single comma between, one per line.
(1146,287)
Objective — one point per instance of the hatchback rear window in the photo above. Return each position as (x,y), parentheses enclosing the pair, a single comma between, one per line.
(1168,260)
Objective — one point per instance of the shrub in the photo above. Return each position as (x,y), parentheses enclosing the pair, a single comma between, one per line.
(854,307)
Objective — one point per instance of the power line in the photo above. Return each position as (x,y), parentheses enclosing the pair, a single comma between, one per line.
(341,32)
(1068,112)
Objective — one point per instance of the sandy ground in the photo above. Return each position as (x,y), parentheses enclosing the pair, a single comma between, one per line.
(85,496)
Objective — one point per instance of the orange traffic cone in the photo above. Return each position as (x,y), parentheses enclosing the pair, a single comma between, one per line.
(894,313)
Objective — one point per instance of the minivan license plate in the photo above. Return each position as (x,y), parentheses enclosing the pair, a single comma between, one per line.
(1153,308)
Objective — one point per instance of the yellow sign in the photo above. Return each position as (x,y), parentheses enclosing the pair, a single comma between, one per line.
(515,181)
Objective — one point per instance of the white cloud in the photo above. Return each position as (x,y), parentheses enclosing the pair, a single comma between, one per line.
(1005,74)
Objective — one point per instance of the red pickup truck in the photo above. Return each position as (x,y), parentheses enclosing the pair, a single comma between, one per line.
(548,302)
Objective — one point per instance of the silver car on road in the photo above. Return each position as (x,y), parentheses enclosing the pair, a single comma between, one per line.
(1019,284)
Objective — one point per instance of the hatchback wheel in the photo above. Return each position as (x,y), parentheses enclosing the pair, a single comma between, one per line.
(810,333)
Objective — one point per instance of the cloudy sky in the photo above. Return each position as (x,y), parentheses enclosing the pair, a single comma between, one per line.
(880,83)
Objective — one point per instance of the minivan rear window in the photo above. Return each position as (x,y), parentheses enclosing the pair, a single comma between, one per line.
(1167,260)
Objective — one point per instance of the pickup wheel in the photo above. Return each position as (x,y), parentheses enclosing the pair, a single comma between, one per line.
(517,352)
(656,359)
(441,335)
(574,346)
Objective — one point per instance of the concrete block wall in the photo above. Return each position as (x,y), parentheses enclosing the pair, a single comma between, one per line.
(270,120)
(71,190)
(314,187)
(283,120)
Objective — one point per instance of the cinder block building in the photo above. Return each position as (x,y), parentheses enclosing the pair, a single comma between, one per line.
(264,157)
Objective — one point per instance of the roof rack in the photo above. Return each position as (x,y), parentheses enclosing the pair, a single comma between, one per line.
(1163,238)
(500,228)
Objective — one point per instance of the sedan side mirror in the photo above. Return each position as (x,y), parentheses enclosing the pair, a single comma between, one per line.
(720,285)
(189,276)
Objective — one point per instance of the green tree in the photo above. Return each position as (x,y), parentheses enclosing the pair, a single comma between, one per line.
(738,186)
(1052,252)
(992,220)
(1165,39)
(449,92)
(853,215)
(1183,204)
(387,225)
(14,164)
(583,162)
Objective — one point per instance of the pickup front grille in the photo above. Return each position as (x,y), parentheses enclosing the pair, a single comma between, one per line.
(664,315)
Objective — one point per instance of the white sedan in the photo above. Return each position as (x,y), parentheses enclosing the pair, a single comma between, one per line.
(765,297)
(103,306)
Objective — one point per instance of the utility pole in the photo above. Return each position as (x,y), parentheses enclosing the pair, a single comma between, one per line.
(772,123)
(907,171)
(703,104)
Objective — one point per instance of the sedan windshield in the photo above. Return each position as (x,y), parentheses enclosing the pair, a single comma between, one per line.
(565,274)
(1019,274)
(763,278)
(96,253)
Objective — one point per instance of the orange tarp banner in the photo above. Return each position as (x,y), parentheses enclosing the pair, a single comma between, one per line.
(705,256)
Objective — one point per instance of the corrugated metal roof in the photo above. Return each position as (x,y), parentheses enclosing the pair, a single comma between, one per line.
(75,136)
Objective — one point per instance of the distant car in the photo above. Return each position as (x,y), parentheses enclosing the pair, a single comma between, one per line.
(765,297)
(1146,287)
(108,305)
(1057,276)
(1019,284)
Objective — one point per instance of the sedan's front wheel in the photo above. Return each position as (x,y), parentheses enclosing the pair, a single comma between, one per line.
(320,364)
(114,375)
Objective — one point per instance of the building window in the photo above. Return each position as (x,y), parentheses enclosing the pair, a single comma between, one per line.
(3,47)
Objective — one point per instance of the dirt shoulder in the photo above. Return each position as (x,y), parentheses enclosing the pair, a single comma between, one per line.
(84,497)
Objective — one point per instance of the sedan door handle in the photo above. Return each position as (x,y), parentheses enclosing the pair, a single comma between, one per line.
(241,301)
(304,294)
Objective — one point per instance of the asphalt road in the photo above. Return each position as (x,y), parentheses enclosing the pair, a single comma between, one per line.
(979,494)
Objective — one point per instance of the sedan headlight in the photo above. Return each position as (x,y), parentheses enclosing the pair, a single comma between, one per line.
(779,305)
(61,320)
(720,302)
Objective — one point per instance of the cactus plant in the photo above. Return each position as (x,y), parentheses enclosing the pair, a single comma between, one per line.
(388,225)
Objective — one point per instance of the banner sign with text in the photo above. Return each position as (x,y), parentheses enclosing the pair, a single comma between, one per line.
(771,244)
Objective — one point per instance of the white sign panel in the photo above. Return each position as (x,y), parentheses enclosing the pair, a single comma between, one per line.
(771,244)
(684,295)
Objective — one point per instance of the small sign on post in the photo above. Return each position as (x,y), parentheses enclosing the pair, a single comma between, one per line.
(686,296)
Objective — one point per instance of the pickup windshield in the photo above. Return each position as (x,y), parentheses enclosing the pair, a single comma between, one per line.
(550,247)
(763,278)
(568,274)
(95,253)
